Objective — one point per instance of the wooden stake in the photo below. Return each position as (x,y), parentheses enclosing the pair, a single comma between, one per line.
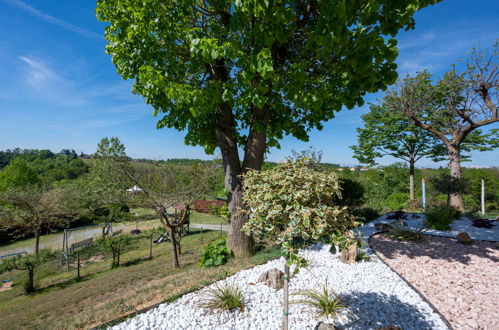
(78,262)
(150,249)
(285,307)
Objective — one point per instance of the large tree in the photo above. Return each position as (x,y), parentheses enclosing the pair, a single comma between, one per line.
(239,75)
(162,186)
(389,133)
(454,108)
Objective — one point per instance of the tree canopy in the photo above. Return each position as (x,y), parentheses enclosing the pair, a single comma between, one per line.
(455,107)
(243,74)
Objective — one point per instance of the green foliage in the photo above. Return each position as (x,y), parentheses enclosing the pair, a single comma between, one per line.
(115,244)
(365,214)
(50,167)
(352,193)
(397,200)
(390,133)
(18,175)
(224,297)
(215,253)
(302,62)
(401,231)
(28,262)
(440,218)
(448,185)
(294,200)
(324,301)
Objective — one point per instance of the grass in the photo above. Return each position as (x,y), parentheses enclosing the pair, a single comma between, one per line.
(104,294)
(325,302)
(54,240)
(224,297)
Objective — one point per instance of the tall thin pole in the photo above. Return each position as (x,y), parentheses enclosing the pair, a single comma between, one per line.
(150,248)
(424,194)
(78,256)
(483,197)
(201,234)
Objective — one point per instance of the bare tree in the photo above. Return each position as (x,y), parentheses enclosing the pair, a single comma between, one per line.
(35,209)
(167,186)
(162,186)
(454,108)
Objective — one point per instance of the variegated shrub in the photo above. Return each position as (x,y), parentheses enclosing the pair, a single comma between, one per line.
(295,200)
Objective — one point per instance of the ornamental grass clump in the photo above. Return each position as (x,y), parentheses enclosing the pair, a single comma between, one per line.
(225,297)
(294,200)
(402,232)
(326,302)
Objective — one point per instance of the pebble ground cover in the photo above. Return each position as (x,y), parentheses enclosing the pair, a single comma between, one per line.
(376,296)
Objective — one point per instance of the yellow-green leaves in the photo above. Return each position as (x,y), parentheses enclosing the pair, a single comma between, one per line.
(294,200)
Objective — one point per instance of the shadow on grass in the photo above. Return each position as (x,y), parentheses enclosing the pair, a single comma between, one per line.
(434,247)
(372,310)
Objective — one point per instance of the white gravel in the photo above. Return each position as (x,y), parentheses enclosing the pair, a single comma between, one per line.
(462,224)
(376,296)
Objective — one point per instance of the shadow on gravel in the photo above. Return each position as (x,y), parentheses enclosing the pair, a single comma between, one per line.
(372,310)
(435,248)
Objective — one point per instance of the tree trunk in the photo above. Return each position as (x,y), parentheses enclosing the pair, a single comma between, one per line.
(37,241)
(238,242)
(456,199)
(174,248)
(411,179)
(30,286)
(285,298)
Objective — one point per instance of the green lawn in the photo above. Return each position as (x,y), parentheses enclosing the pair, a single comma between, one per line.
(105,294)
(54,240)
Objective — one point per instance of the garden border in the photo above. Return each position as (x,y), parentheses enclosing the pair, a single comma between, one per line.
(170,300)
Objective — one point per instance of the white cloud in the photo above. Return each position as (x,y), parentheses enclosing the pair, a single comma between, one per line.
(53,20)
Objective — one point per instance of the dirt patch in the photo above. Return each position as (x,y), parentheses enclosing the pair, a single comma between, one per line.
(98,257)
(459,280)
(6,286)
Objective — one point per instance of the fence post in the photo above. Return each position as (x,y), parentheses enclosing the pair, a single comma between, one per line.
(483,197)
(150,248)
(78,257)
(220,229)
(201,234)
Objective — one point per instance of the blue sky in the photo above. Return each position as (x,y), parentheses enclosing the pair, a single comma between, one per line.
(58,88)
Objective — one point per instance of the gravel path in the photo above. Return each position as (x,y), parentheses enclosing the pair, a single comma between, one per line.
(461,281)
(376,296)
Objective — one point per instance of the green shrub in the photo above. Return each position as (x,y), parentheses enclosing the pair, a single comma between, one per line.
(365,214)
(215,253)
(397,200)
(440,218)
(352,193)
(326,302)
(225,297)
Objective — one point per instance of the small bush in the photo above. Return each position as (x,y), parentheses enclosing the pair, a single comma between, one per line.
(365,214)
(215,253)
(326,302)
(225,297)
(352,193)
(440,218)
(401,231)
(397,200)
